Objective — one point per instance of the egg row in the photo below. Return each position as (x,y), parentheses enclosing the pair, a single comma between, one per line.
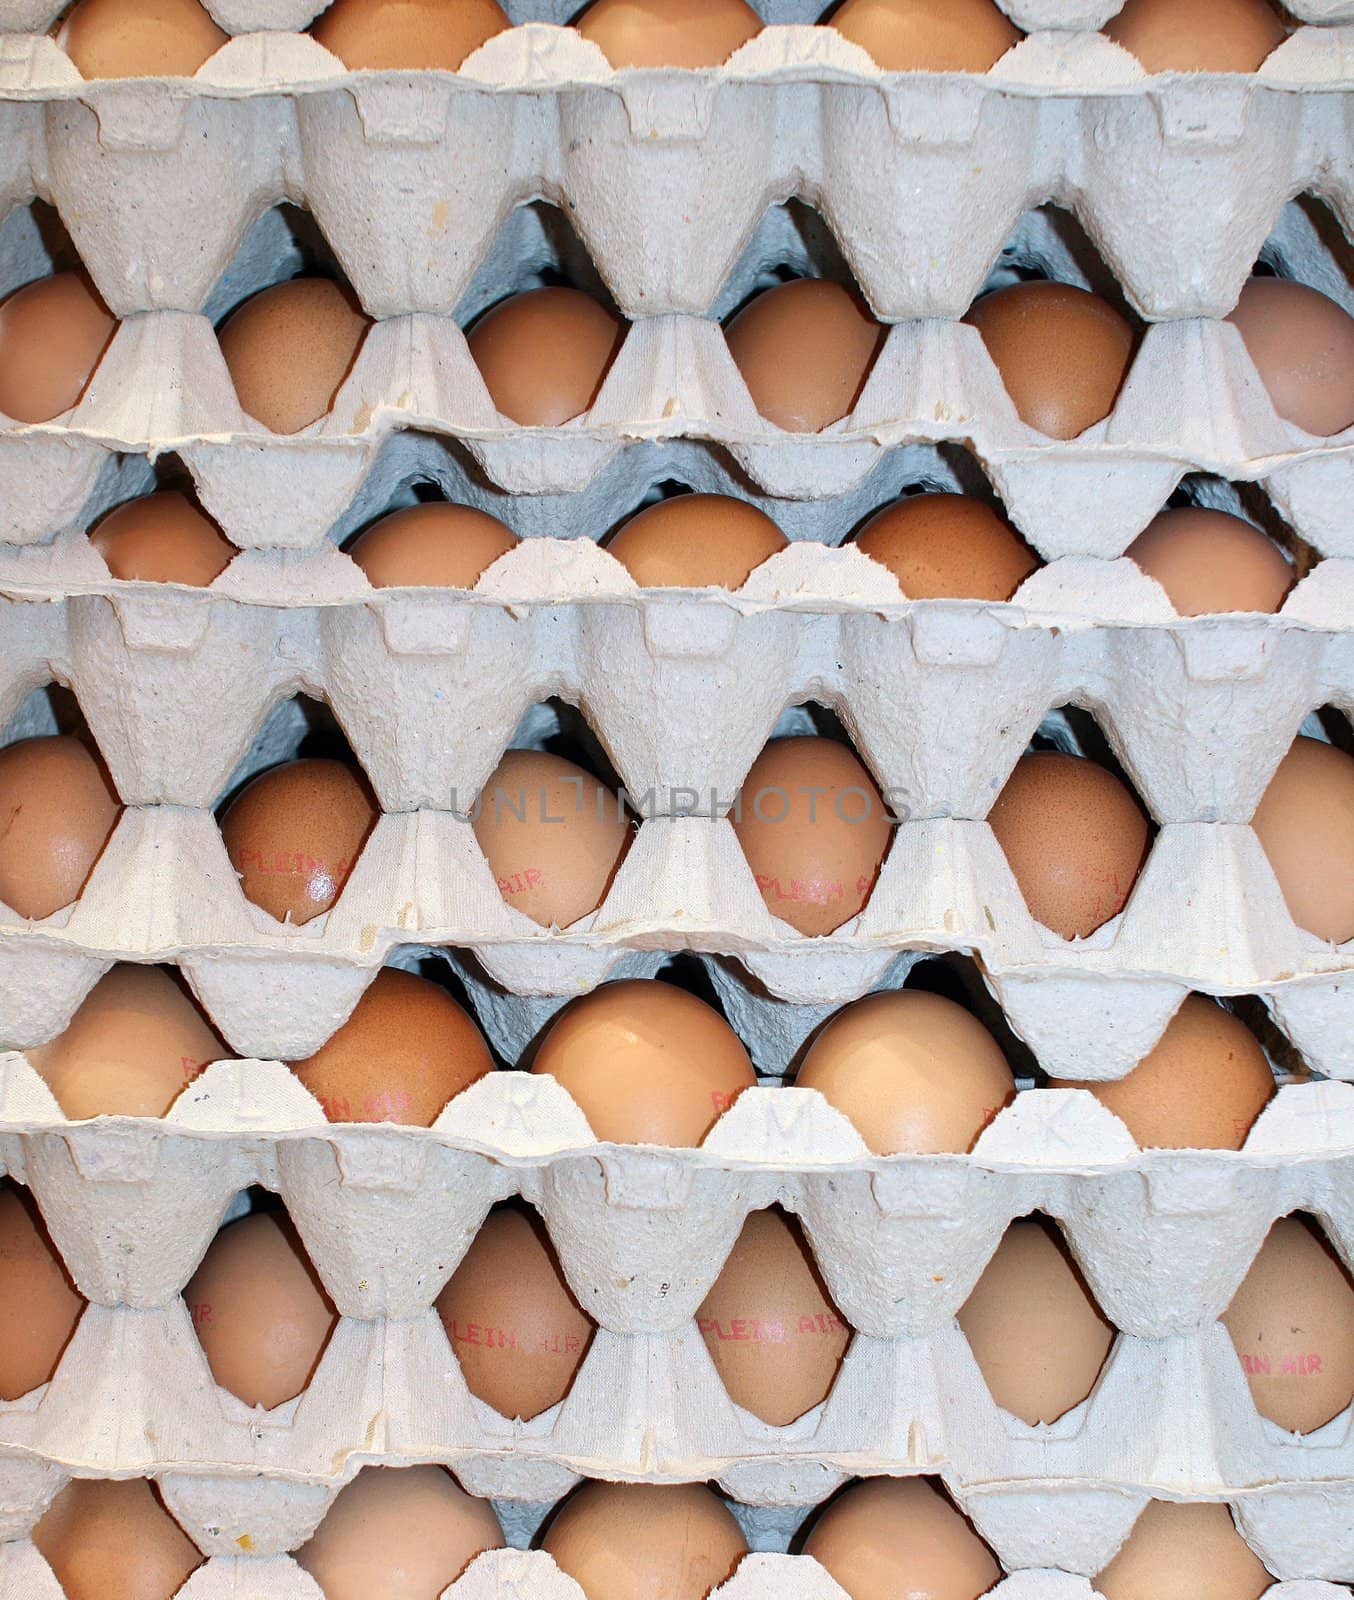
(253,1370)
(417,1523)
(163,386)
(1178,181)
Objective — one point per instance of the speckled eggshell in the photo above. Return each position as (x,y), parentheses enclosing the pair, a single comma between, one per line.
(1305,824)
(644,1541)
(1184,1552)
(814,830)
(289,348)
(134,1042)
(162,538)
(432,546)
(900,1539)
(1302,345)
(696,541)
(406,1050)
(259,1311)
(914,1072)
(553,836)
(1038,1337)
(52,334)
(293,835)
(398,1534)
(805,350)
(1208,562)
(1075,839)
(1062,353)
(669,33)
(410,35)
(647,1063)
(773,1334)
(1292,1322)
(513,1323)
(57,809)
(927,35)
(139,38)
(948,547)
(39,1306)
(1199,35)
(114,1541)
(543,354)
(1200,1088)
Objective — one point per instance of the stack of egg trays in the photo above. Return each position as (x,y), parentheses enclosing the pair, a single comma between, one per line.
(1066,117)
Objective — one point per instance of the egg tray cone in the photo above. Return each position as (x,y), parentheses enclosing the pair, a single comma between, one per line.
(1177,177)
(387,1212)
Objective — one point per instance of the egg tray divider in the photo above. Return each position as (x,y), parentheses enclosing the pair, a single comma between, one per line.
(531,1575)
(666,175)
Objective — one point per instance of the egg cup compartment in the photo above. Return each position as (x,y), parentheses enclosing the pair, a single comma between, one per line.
(390,161)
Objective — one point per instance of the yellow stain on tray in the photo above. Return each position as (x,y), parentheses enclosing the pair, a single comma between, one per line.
(246,1544)
(441,216)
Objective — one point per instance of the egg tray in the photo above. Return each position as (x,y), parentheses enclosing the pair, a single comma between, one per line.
(1192,403)
(666,176)
(531,1575)
(392,1394)
(1164,1238)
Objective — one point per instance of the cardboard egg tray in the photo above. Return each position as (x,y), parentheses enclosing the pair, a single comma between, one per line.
(666,175)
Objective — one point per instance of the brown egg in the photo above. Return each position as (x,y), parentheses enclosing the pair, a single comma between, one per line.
(886,1538)
(513,1323)
(1207,561)
(1200,1088)
(644,1541)
(1184,1552)
(1061,352)
(293,835)
(139,38)
(773,1334)
(390,35)
(136,1039)
(407,1050)
(1075,839)
(1292,1322)
(1302,345)
(914,1072)
(398,1534)
(39,1306)
(57,809)
(669,33)
(927,35)
(290,348)
(647,1063)
(543,354)
(814,831)
(433,546)
(1305,824)
(1203,36)
(114,1541)
(553,836)
(1037,1335)
(259,1311)
(696,541)
(805,350)
(162,538)
(948,547)
(52,334)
